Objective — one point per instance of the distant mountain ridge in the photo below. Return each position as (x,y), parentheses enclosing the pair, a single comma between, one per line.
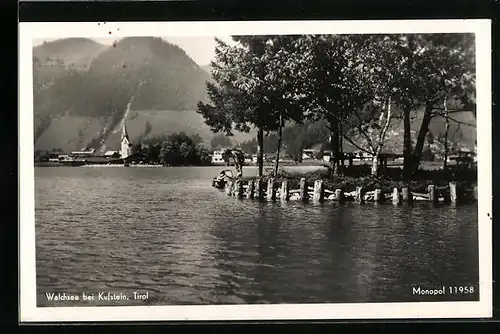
(89,86)
(72,51)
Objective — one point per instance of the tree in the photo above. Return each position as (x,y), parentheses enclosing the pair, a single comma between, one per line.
(153,153)
(136,149)
(203,155)
(180,149)
(446,131)
(377,71)
(196,139)
(373,130)
(278,149)
(187,151)
(238,158)
(437,66)
(329,65)
(347,80)
(169,154)
(420,71)
(253,87)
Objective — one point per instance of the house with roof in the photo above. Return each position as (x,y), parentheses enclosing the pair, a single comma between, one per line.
(311,153)
(112,154)
(217,157)
(86,152)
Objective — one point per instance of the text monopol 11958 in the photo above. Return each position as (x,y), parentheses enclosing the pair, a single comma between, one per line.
(444,290)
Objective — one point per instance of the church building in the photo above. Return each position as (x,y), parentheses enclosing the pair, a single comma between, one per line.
(126,146)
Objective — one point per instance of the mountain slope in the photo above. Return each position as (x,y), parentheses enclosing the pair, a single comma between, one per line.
(170,79)
(86,108)
(77,52)
(75,132)
(53,60)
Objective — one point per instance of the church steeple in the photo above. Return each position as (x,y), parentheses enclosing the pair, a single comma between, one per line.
(124,132)
(125,143)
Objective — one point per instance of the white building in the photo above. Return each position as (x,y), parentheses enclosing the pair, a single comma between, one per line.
(217,157)
(327,156)
(309,154)
(126,147)
(255,158)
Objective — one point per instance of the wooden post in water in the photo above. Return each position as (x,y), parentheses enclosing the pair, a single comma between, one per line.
(285,194)
(474,189)
(396,199)
(360,195)
(229,188)
(319,191)
(259,188)
(271,194)
(431,190)
(453,193)
(250,189)
(377,196)
(339,195)
(303,190)
(238,188)
(406,195)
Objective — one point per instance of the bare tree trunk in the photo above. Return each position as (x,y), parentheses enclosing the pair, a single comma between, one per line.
(446,130)
(341,148)
(384,126)
(407,156)
(260,150)
(334,143)
(375,165)
(424,128)
(280,133)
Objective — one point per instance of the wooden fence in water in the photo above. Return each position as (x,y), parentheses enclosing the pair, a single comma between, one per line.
(258,189)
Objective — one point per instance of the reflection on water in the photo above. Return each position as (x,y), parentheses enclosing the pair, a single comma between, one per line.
(166,231)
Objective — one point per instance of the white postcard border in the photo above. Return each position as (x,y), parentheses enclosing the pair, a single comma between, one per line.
(29,312)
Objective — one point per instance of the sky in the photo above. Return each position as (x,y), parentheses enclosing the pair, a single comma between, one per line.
(200,49)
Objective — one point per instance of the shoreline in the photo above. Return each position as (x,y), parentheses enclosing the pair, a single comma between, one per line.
(56,164)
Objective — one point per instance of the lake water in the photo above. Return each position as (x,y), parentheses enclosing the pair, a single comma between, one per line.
(167,232)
